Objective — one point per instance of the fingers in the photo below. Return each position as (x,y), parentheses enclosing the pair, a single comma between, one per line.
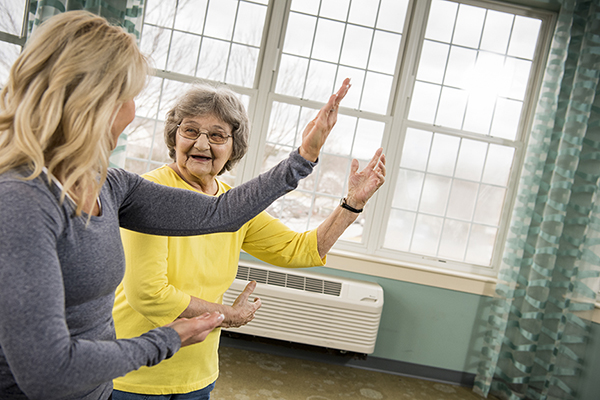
(380,163)
(334,101)
(248,289)
(376,164)
(208,320)
(381,166)
(353,167)
(257,303)
(376,158)
(343,90)
(195,330)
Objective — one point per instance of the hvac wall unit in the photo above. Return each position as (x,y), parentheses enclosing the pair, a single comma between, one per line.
(311,308)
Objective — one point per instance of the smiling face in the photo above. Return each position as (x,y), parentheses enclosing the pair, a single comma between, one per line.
(198,162)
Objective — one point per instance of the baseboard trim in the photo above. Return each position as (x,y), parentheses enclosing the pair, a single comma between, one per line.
(354,360)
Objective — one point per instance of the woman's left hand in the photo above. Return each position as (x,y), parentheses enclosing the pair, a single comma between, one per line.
(317,130)
(362,185)
(195,330)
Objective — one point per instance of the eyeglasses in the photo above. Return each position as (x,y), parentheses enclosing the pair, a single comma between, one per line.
(191,132)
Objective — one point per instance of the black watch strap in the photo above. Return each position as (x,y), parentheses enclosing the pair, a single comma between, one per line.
(345,205)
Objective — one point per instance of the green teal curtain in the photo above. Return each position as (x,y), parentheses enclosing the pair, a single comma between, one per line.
(534,347)
(126,13)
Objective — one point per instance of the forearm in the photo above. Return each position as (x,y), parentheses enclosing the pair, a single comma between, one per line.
(198,307)
(332,228)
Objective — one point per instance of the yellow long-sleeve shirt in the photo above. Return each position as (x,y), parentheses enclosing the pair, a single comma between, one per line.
(163,272)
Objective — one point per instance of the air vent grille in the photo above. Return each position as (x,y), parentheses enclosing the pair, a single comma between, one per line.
(291,281)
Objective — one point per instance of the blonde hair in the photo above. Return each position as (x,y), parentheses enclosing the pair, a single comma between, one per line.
(59,103)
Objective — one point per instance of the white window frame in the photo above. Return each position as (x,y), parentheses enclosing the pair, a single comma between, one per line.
(262,96)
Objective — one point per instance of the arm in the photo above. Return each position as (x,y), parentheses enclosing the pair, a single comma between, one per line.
(361,186)
(158,210)
(45,360)
(149,291)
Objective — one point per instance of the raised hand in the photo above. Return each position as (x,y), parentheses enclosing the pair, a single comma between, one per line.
(362,185)
(243,310)
(195,330)
(317,130)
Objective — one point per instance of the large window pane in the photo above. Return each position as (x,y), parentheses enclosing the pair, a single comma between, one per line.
(9,52)
(246,29)
(481,62)
(301,29)
(357,45)
(183,55)
(12,13)
(359,39)
(191,16)
(450,182)
(217,40)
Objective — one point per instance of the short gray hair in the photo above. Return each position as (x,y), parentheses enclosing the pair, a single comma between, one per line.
(204,100)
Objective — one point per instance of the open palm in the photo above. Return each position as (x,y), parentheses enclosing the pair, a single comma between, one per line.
(316,132)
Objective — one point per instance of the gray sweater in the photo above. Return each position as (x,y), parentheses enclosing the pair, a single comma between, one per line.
(58,276)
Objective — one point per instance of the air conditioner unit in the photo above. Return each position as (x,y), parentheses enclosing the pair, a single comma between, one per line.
(311,308)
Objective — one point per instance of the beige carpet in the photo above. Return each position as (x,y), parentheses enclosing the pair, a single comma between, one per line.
(249,375)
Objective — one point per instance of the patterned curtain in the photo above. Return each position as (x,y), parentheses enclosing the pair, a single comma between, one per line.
(126,13)
(549,277)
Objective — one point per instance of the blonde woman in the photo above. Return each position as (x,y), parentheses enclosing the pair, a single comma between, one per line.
(69,95)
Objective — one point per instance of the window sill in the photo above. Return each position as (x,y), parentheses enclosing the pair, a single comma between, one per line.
(411,272)
(419,274)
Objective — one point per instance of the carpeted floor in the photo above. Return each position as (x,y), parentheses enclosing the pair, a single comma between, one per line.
(250,375)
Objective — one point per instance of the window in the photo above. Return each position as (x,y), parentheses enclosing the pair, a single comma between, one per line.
(446,87)
(216,41)
(12,34)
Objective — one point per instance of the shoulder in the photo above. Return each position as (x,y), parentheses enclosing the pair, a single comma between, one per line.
(121,182)
(30,200)
(15,185)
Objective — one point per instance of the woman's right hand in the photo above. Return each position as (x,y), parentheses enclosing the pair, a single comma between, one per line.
(317,130)
(195,330)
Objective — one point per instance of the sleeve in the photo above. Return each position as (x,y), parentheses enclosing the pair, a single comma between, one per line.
(146,284)
(160,210)
(44,359)
(269,240)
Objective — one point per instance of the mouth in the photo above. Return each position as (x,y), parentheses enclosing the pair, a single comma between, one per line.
(200,157)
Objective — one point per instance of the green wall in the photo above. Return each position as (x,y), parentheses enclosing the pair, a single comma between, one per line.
(426,325)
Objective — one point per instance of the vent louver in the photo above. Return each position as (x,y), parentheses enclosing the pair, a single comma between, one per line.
(289,281)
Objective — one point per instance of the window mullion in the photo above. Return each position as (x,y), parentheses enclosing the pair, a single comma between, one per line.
(260,110)
(394,138)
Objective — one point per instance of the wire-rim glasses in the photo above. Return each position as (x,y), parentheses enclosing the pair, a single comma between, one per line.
(191,132)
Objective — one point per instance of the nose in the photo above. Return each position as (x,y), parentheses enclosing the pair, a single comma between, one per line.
(202,141)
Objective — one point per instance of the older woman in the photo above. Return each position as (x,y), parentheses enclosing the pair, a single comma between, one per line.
(68,97)
(169,278)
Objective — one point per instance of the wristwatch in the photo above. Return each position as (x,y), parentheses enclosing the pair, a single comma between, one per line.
(345,205)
